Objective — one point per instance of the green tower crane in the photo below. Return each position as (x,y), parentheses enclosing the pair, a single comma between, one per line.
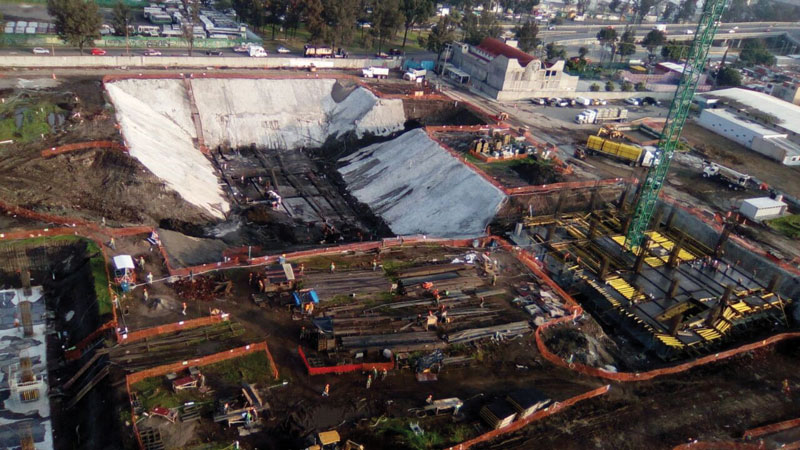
(678,111)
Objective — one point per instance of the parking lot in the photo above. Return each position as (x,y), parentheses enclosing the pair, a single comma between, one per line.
(568,113)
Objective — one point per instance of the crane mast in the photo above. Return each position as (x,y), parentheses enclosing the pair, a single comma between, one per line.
(678,111)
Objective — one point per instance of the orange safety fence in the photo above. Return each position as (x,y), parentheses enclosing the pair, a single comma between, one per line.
(197,362)
(718,445)
(541,414)
(570,185)
(53,151)
(343,368)
(145,333)
(465,128)
(772,428)
(76,352)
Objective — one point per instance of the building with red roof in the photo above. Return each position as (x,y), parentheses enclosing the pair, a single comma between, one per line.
(504,72)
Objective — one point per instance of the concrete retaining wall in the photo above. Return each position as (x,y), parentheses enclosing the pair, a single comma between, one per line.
(194,61)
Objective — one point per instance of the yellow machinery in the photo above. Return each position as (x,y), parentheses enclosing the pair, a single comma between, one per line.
(632,154)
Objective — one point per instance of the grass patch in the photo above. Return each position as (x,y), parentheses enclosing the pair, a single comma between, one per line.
(34,120)
(156,392)
(97,265)
(254,368)
(398,430)
(360,44)
(393,266)
(788,225)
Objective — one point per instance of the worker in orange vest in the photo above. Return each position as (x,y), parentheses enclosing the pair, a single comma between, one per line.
(327,390)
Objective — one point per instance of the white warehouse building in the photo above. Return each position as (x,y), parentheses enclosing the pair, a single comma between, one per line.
(769,142)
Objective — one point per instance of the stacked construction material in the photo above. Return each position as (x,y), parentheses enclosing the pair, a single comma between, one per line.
(504,331)
(398,342)
(527,401)
(442,277)
(498,414)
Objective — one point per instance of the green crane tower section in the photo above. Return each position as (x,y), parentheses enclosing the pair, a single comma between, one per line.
(678,111)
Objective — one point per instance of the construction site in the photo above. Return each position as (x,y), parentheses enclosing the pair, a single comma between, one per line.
(296,260)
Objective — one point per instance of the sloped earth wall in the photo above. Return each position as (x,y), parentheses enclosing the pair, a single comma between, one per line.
(156,120)
(417,187)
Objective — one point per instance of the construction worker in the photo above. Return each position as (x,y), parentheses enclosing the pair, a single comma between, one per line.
(494,279)
(374,264)
(383,374)
(333,267)
(141,262)
(369,381)
(149,277)
(429,399)
(327,391)
(112,244)
(302,268)
(183,308)
(374,373)
(787,390)
(146,295)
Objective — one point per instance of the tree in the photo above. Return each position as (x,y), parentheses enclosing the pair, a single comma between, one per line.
(77,21)
(728,76)
(187,26)
(582,52)
(555,51)
(594,87)
(315,22)
(121,18)
(754,52)
(340,17)
(669,12)
(674,51)
(686,10)
(737,11)
(478,28)
(527,36)
(277,10)
(609,86)
(653,40)
(613,5)
(626,86)
(386,20)
(640,86)
(294,15)
(643,8)
(627,44)
(440,35)
(414,13)
(253,12)
(608,38)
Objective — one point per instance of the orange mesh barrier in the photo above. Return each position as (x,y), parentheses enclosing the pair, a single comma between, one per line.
(53,151)
(343,368)
(773,428)
(138,335)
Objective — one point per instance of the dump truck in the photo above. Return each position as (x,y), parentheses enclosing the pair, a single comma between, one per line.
(375,72)
(735,180)
(415,74)
(317,52)
(257,51)
(601,115)
(633,155)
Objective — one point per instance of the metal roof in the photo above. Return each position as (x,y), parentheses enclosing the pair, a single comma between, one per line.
(788,114)
(764,202)
(498,47)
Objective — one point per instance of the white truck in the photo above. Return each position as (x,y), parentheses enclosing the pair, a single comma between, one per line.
(735,180)
(257,51)
(600,115)
(415,75)
(583,101)
(375,72)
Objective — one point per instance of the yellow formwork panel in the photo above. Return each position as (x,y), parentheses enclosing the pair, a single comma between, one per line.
(654,261)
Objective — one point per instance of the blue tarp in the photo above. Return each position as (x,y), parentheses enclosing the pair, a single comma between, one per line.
(305,297)
(411,64)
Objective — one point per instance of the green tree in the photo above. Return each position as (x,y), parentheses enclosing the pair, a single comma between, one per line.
(674,51)
(440,35)
(609,86)
(582,52)
(77,21)
(527,36)
(478,28)
(387,18)
(613,5)
(294,15)
(627,45)
(737,11)
(187,26)
(415,12)
(728,76)
(754,52)
(315,20)
(653,40)
(642,8)
(253,12)
(276,10)
(669,12)
(608,38)
(686,10)
(594,87)
(121,18)
(626,86)
(640,86)
(555,51)
(340,17)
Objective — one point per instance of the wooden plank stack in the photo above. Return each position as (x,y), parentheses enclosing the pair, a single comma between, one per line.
(504,331)
(498,414)
(527,401)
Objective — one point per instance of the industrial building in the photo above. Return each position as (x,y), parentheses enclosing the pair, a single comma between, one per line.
(506,73)
(762,208)
(778,141)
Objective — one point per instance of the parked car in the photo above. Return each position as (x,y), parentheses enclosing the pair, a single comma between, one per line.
(98,52)
(731,31)
(651,101)
(539,101)
(40,51)
(633,101)
(689,32)
(214,53)
(395,52)
(600,101)
(563,103)
(283,50)
(551,28)
(381,55)
(151,52)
